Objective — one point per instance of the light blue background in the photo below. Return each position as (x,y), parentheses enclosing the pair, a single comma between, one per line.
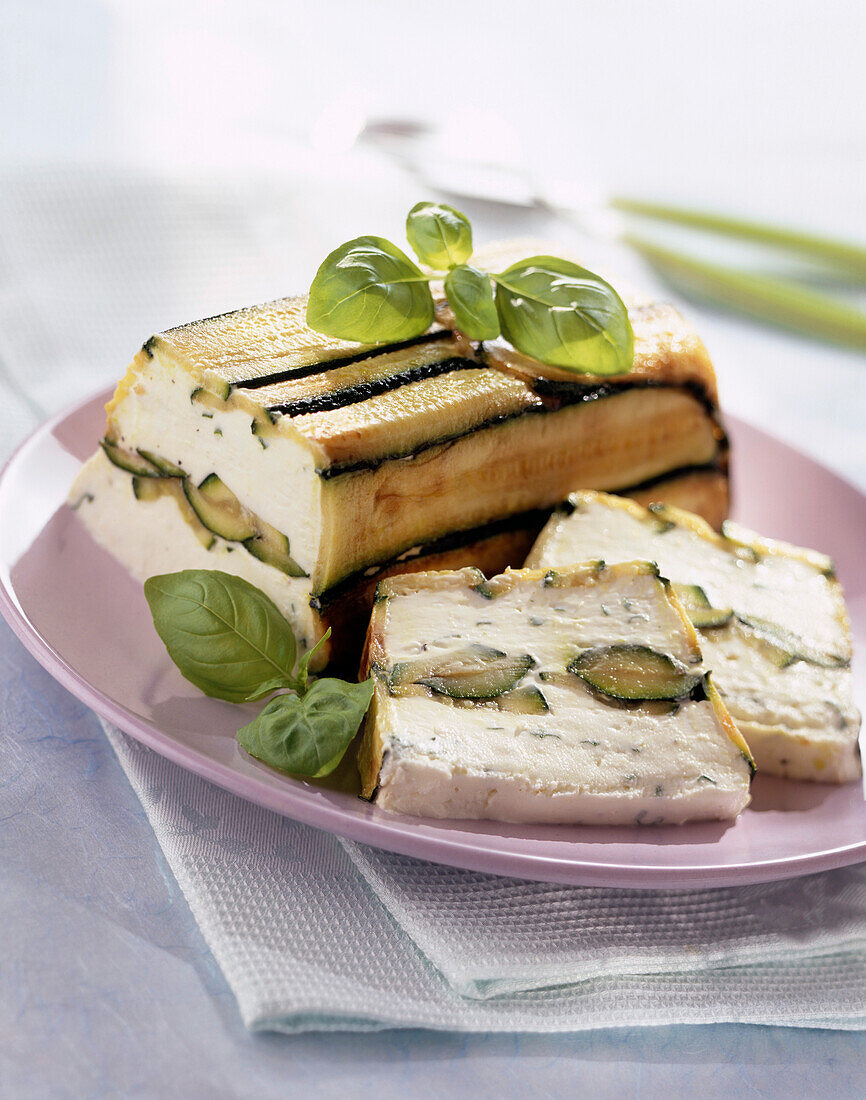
(106,986)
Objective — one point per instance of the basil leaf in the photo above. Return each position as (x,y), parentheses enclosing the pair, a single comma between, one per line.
(440,235)
(470,295)
(224,635)
(565,316)
(309,735)
(368,290)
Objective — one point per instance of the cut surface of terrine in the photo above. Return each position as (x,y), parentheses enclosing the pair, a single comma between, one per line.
(771,618)
(574,696)
(329,461)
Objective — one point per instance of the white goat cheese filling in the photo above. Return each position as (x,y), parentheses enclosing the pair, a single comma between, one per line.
(151,537)
(277,482)
(587,757)
(798,717)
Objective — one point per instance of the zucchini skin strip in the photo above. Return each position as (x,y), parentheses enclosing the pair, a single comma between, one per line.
(577,394)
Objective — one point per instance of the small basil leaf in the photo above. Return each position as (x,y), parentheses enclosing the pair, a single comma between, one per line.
(565,316)
(304,663)
(224,635)
(440,235)
(309,735)
(470,295)
(368,290)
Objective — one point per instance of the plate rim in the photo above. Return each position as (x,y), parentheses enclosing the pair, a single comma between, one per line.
(396,834)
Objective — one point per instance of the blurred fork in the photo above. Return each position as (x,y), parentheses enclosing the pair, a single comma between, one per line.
(484,162)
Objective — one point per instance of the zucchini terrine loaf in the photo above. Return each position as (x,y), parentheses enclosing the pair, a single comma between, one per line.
(313,467)
(771,620)
(567,696)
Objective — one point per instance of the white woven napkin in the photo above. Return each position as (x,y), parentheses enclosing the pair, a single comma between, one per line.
(312,933)
(494,936)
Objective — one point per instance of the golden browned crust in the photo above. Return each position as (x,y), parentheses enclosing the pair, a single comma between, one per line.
(370,749)
(727,722)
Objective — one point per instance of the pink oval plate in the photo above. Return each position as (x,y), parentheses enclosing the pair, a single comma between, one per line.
(87,622)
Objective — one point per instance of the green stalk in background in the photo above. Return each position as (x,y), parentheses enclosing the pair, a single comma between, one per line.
(849,258)
(778,301)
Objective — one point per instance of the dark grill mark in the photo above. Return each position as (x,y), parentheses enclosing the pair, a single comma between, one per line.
(352,395)
(308,369)
(532,520)
(719,465)
(574,393)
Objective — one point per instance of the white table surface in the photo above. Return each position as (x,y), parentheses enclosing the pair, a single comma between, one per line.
(106,987)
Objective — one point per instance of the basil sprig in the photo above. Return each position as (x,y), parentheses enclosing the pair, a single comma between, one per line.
(230,640)
(561,314)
